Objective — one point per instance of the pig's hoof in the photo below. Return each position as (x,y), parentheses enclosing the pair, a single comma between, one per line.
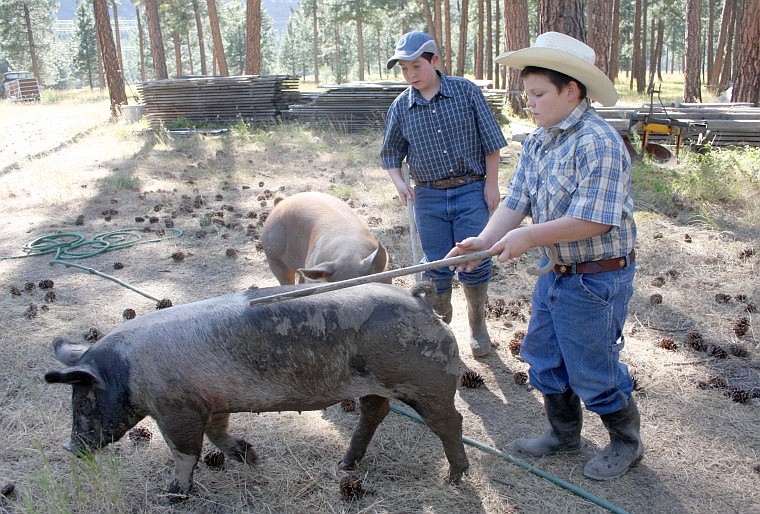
(243,452)
(455,477)
(346,466)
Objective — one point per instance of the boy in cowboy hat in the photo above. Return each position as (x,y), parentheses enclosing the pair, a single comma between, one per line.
(573,178)
(444,128)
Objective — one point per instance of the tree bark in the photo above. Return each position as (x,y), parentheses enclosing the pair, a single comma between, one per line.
(692,71)
(447,29)
(189,53)
(315,38)
(201,41)
(615,42)
(717,67)
(253,38)
(488,44)
(462,53)
(110,61)
(360,46)
(177,53)
(747,84)
(599,20)
(216,35)
(565,16)
(156,40)
(117,35)
(141,44)
(710,34)
(516,36)
(725,73)
(636,52)
(32,46)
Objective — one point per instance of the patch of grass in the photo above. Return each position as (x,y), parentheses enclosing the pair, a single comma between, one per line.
(93,485)
(125,181)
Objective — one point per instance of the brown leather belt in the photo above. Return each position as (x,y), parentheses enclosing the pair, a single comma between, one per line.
(448,183)
(592,267)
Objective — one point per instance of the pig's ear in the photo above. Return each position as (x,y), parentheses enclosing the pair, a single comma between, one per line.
(77,375)
(377,260)
(67,352)
(321,271)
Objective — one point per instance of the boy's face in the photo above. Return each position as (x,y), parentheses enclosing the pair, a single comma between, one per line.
(420,74)
(547,104)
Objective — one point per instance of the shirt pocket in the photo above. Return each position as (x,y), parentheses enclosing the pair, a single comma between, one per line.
(560,189)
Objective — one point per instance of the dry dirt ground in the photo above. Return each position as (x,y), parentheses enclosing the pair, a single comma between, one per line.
(73,172)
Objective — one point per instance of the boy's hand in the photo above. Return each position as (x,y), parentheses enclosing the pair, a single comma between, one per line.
(469,245)
(491,195)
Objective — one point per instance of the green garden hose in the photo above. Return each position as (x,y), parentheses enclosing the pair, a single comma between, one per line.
(69,246)
(533,469)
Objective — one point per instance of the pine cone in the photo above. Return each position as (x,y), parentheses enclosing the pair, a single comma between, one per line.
(164,304)
(667,343)
(471,379)
(741,326)
(348,405)
(351,488)
(655,299)
(521,378)
(738,350)
(722,298)
(140,434)
(695,341)
(712,383)
(45,284)
(515,344)
(93,335)
(715,350)
(128,314)
(738,395)
(214,459)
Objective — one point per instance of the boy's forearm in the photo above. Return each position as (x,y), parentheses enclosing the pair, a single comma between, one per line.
(564,230)
(492,166)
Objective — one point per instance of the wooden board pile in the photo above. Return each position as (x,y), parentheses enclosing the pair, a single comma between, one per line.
(358,106)
(728,124)
(254,98)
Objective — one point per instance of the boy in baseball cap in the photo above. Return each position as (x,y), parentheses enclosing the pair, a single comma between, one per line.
(447,133)
(573,178)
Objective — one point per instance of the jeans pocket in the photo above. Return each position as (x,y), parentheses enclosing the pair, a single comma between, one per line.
(599,287)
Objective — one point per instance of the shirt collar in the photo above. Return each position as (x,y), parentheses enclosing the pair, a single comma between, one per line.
(443,90)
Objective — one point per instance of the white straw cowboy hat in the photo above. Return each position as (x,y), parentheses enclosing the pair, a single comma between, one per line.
(562,53)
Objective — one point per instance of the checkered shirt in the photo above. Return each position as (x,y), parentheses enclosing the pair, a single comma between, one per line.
(578,168)
(445,137)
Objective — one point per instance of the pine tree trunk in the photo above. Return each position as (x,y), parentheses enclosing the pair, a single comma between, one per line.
(479,43)
(447,11)
(725,73)
(141,43)
(315,43)
(216,35)
(462,53)
(156,40)
(117,35)
(636,53)
(189,53)
(565,16)
(488,44)
(747,84)
(177,53)
(516,36)
(201,41)
(253,38)
(615,42)
(32,46)
(692,70)
(110,61)
(720,51)
(360,47)
(710,34)
(599,20)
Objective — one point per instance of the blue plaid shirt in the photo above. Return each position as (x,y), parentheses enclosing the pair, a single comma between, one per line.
(445,137)
(578,168)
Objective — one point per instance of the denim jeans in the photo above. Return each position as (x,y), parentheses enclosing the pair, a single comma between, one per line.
(575,336)
(445,217)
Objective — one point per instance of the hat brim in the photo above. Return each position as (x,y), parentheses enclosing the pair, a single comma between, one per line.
(598,86)
(403,55)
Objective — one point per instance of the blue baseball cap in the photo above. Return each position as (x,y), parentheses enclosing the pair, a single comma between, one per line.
(412,45)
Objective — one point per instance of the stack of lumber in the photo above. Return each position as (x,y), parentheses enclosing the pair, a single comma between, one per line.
(358,106)
(256,98)
(727,124)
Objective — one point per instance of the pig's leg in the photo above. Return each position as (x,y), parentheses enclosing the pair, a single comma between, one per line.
(237,449)
(442,417)
(183,432)
(373,410)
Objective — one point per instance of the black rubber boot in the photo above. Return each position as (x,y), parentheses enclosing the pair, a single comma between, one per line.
(566,419)
(625,448)
(480,341)
(442,305)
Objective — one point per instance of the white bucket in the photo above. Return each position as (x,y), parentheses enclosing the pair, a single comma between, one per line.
(132,113)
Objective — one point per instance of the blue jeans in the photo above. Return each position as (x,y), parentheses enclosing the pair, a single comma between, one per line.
(575,336)
(445,217)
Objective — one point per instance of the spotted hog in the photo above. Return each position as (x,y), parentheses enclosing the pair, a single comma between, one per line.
(192,365)
(317,237)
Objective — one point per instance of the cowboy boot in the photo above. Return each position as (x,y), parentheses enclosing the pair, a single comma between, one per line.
(442,305)
(625,448)
(480,341)
(566,420)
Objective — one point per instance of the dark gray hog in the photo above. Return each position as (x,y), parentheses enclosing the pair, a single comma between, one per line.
(192,365)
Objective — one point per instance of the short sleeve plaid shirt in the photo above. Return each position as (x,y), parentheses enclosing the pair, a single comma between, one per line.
(445,137)
(578,168)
